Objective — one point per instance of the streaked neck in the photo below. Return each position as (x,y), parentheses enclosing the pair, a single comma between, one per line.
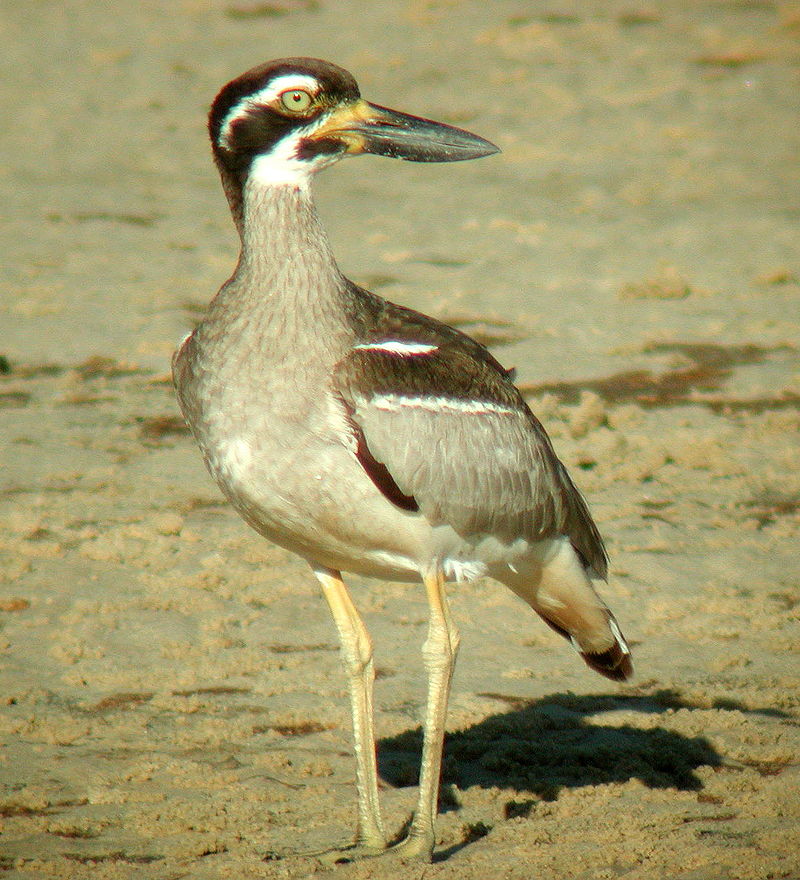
(282,237)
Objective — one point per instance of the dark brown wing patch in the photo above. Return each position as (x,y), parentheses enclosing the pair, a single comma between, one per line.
(377,470)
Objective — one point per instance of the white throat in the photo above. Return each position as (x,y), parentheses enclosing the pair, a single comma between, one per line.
(281,167)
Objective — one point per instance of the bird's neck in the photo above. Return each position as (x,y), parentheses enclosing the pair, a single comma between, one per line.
(286,267)
(281,233)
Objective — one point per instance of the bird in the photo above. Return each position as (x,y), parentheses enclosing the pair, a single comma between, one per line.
(366,437)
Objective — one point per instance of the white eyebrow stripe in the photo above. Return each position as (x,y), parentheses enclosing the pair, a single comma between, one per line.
(395,346)
(396,402)
(265,96)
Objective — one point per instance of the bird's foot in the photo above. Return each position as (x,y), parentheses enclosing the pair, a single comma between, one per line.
(341,855)
(416,847)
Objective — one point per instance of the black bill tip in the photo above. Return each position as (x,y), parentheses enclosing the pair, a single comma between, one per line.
(401,136)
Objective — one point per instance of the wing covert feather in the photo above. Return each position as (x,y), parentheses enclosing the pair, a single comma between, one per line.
(457,437)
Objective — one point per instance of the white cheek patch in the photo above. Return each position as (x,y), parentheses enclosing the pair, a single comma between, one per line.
(265,96)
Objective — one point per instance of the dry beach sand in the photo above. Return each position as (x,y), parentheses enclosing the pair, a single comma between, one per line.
(172,703)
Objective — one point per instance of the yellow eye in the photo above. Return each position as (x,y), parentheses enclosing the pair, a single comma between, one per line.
(296,100)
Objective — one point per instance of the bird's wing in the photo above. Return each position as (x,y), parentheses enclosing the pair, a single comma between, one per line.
(440,428)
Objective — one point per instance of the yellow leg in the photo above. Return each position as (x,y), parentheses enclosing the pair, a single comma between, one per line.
(439,653)
(356,652)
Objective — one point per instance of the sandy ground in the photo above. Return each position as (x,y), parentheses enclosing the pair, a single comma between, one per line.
(172,704)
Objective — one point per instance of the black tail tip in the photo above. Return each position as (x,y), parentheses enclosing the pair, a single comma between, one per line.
(615,663)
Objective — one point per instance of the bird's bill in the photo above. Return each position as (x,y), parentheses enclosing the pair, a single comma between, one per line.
(367,128)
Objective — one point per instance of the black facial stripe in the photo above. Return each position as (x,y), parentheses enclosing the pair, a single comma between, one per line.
(257,131)
(336,86)
(309,149)
(260,129)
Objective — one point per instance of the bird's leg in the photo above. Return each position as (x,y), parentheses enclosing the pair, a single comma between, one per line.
(439,653)
(356,653)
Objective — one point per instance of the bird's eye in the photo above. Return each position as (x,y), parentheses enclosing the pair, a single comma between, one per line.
(296,100)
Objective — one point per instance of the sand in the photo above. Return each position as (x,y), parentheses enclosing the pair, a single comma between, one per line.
(172,702)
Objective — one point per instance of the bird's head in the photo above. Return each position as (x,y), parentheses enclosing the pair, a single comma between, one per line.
(286,119)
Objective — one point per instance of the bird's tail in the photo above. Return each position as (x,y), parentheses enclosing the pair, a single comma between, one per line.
(613,662)
(564,597)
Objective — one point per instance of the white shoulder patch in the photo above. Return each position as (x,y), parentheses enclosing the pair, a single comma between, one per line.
(398,402)
(398,347)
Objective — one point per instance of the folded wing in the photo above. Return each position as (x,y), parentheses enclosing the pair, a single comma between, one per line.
(441,429)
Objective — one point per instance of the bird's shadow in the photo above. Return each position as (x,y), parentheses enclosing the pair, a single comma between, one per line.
(543,746)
